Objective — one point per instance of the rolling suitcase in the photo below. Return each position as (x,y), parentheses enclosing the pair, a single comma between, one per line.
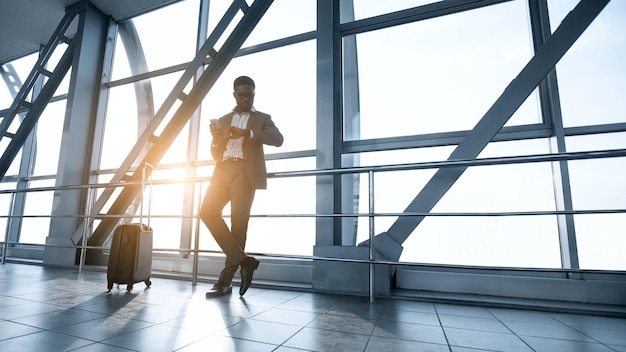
(130,258)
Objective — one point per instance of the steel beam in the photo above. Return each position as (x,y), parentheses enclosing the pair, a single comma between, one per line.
(189,105)
(389,243)
(146,138)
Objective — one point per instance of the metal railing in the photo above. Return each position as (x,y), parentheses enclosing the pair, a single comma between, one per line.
(370,215)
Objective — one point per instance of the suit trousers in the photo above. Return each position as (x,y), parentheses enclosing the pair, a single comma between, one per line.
(229,183)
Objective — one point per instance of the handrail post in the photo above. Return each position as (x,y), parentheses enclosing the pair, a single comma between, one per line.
(196,244)
(6,233)
(371,235)
(83,249)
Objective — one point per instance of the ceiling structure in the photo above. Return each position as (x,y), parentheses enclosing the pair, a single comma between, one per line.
(26,25)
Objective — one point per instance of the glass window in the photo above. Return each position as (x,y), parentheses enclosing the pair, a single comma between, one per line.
(592,74)
(442,74)
(598,184)
(527,241)
(167,36)
(283,196)
(285,88)
(39,206)
(49,133)
(120,131)
(124,123)
(293,196)
(371,8)
(601,241)
(5,207)
(22,67)
(284,18)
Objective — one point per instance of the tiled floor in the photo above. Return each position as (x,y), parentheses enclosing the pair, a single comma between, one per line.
(48,309)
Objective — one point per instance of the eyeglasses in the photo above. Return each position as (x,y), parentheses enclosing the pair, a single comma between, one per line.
(244,95)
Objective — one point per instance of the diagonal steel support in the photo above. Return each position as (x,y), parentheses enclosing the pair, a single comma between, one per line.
(34,109)
(146,138)
(389,243)
(190,103)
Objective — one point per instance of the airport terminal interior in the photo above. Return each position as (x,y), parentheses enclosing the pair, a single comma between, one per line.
(451,177)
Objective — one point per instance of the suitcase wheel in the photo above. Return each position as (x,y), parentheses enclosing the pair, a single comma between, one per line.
(148,282)
(129,287)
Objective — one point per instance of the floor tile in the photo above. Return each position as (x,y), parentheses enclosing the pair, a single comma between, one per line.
(562,332)
(9,330)
(286,316)
(227,344)
(470,323)
(540,344)
(357,310)
(261,331)
(344,324)
(412,306)
(491,341)
(414,332)
(102,329)
(58,319)
(157,338)
(100,347)
(43,341)
(590,321)
(381,344)
(464,311)
(320,340)
(507,315)
(27,310)
(55,309)
(613,336)
(405,316)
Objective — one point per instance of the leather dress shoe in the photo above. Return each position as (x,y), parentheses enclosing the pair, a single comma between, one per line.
(219,289)
(248,266)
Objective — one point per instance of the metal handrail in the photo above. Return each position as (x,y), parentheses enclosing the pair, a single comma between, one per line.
(371,215)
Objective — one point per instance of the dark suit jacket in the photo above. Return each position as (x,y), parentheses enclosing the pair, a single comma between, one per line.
(264,132)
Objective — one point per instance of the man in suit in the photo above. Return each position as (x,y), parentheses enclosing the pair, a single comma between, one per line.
(237,147)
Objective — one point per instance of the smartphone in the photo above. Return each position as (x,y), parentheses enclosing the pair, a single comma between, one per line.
(216,123)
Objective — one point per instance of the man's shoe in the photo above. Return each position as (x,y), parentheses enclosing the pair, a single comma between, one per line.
(219,290)
(248,266)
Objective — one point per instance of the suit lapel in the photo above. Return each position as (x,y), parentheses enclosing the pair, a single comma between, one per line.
(251,119)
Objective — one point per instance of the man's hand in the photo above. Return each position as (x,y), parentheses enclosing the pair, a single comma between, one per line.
(218,133)
(238,132)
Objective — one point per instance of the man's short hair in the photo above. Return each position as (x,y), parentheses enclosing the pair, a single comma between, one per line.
(243,80)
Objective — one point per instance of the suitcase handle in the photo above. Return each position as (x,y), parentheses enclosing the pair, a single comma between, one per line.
(143,185)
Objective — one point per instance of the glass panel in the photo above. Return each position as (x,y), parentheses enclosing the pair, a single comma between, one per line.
(5,207)
(371,8)
(474,240)
(283,196)
(592,74)
(123,121)
(168,37)
(284,18)
(23,67)
(599,184)
(285,88)
(49,134)
(120,131)
(35,229)
(418,82)
(601,241)
(164,203)
(293,196)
